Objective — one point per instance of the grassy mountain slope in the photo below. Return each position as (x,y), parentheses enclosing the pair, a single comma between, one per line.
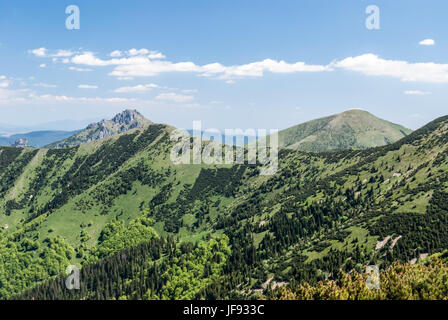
(71,195)
(319,213)
(354,129)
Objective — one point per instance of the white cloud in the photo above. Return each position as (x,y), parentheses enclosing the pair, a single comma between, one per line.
(135,63)
(148,68)
(45,85)
(145,52)
(43,65)
(140,52)
(89,59)
(80,69)
(417,92)
(116,54)
(147,63)
(140,65)
(156,55)
(2,77)
(4,84)
(41,52)
(26,96)
(427,42)
(372,65)
(63,53)
(174,97)
(87,86)
(137,89)
(257,69)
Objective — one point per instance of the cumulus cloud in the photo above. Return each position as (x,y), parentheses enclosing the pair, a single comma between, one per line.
(43,52)
(137,89)
(174,97)
(146,63)
(40,52)
(427,42)
(4,84)
(137,64)
(43,65)
(143,67)
(87,86)
(372,65)
(145,52)
(134,63)
(417,93)
(115,54)
(138,52)
(257,69)
(156,55)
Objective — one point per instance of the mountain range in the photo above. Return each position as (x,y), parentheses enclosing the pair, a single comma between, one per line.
(353,129)
(167,231)
(37,139)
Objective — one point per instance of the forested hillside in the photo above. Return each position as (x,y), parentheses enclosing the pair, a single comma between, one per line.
(119,207)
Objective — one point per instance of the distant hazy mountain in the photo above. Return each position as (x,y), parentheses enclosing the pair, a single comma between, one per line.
(37,139)
(353,129)
(122,122)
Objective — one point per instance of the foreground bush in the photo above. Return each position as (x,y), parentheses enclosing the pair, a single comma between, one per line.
(398,282)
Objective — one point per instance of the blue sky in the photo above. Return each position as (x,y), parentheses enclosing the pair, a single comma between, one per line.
(231,64)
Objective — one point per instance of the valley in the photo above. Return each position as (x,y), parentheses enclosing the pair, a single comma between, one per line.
(214,231)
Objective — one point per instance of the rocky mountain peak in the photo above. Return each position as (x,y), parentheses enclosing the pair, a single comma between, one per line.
(21,143)
(127,117)
(122,122)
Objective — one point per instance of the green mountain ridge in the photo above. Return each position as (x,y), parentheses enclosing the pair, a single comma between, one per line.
(353,129)
(88,205)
